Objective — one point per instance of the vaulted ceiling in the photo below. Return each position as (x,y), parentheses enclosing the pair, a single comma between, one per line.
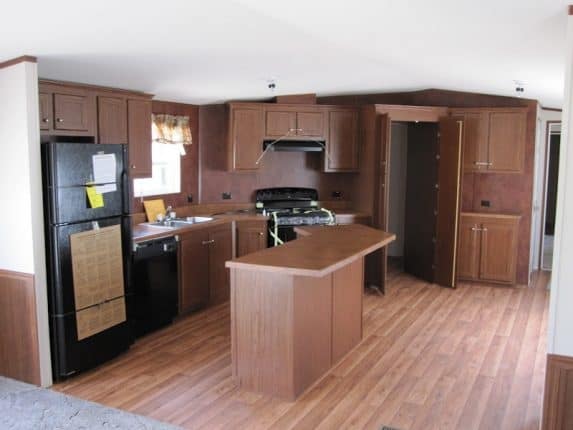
(209,51)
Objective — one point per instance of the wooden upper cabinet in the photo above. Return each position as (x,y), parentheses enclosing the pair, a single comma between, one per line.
(494,139)
(498,249)
(245,136)
(342,142)
(310,123)
(251,236)
(139,137)
(469,247)
(193,273)
(280,123)
(112,119)
(475,141)
(220,251)
(71,112)
(46,115)
(507,141)
(294,122)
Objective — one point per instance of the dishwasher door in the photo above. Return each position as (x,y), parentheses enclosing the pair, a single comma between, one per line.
(155,284)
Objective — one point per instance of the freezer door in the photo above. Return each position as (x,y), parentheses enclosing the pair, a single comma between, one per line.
(70,356)
(67,168)
(60,274)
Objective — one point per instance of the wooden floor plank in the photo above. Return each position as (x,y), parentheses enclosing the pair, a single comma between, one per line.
(430,358)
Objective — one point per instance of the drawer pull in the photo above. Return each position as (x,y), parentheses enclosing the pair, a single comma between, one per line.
(59,120)
(45,120)
(208,242)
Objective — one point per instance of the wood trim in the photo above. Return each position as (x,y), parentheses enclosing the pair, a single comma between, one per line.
(558,397)
(19,348)
(18,60)
(117,91)
(307,99)
(551,109)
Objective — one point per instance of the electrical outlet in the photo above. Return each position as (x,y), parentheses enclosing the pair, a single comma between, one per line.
(485,203)
(189,198)
(226,196)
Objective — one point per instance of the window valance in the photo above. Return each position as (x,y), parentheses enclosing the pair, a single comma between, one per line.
(171,129)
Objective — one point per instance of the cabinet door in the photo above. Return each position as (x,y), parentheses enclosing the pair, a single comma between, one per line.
(475,141)
(251,237)
(280,123)
(246,137)
(46,117)
(310,124)
(112,119)
(506,141)
(193,271)
(220,251)
(342,144)
(139,137)
(469,247)
(498,250)
(71,112)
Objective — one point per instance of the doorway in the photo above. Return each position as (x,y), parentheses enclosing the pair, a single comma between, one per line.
(552,150)
(413,197)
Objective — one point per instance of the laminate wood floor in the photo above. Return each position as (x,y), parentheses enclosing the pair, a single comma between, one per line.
(431,358)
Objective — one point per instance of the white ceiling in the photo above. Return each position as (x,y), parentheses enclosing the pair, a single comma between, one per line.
(201,51)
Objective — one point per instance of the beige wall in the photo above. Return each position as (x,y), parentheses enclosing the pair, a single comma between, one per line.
(21,217)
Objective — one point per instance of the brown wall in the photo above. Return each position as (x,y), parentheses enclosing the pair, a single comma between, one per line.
(277,169)
(189,162)
(506,192)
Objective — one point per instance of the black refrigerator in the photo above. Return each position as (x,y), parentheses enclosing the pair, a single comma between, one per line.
(68,169)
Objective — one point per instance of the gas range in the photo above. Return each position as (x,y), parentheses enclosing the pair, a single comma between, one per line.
(288,207)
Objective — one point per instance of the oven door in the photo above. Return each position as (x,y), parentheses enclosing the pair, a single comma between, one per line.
(283,232)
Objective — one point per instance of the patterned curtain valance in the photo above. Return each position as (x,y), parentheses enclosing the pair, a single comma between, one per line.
(171,129)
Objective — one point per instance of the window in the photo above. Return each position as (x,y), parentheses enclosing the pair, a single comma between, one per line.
(166,172)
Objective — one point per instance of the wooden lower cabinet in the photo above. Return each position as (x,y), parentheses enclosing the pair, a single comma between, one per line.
(193,273)
(487,248)
(220,244)
(468,248)
(251,236)
(203,278)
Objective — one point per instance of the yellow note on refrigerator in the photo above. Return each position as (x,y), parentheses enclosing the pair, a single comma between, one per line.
(95,198)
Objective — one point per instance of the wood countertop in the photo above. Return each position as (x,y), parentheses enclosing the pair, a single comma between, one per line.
(143,232)
(318,251)
(491,215)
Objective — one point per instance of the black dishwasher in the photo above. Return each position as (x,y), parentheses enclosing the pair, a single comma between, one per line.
(155,284)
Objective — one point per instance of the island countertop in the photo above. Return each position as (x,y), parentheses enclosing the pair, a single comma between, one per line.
(317,251)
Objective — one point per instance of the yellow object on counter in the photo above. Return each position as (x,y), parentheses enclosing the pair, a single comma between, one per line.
(95,198)
(154,208)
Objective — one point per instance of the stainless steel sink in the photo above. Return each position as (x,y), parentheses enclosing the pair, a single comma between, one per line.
(180,222)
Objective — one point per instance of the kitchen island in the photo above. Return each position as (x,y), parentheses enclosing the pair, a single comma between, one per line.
(296,309)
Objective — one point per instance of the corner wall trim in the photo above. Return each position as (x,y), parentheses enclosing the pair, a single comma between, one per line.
(17,60)
(558,396)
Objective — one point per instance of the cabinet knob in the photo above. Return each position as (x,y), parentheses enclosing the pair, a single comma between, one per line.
(261,233)
(59,120)
(45,120)
(133,166)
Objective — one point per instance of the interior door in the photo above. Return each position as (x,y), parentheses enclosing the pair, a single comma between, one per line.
(421,200)
(376,262)
(448,207)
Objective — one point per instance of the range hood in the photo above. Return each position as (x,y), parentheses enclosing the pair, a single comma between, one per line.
(291,145)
